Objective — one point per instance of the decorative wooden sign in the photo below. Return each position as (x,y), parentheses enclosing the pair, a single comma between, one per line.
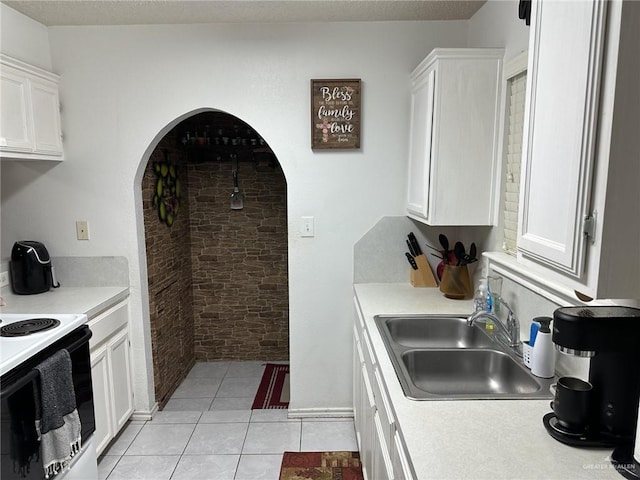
(335,114)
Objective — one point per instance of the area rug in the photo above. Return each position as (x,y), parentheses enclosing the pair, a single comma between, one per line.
(321,466)
(273,391)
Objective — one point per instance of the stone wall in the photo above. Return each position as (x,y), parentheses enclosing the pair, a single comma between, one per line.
(170,278)
(239,259)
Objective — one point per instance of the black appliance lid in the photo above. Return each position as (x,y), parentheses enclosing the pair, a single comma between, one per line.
(38,249)
(608,328)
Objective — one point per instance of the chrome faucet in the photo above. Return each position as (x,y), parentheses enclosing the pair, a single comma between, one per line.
(511,331)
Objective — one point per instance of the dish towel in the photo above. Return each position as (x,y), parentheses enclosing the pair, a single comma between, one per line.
(57,419)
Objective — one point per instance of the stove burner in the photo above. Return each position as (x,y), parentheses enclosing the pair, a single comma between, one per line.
(27,327)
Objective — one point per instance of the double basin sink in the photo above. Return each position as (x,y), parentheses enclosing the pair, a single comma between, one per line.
(441,357)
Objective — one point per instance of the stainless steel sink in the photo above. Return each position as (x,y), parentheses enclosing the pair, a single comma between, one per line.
(440,357)
(444,331)
(467,372)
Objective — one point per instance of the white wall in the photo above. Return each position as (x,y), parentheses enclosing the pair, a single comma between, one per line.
(122,87)
(497,24)
(26,40)
(23,38)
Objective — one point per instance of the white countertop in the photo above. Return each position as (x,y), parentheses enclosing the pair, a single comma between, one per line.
(88,300)
(471,439)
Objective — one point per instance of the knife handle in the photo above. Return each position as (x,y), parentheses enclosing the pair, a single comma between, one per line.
(414,243)
(412,261)
(412,251)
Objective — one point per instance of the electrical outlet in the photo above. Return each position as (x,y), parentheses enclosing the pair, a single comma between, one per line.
(82,230)
(4,279)
(307,227)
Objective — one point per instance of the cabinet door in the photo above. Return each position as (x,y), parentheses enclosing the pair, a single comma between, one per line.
(399,460)
(101,398)
(465,141)
(46,117)
(367,409)
(383,406)
(560,125)
(382,469)
(420,145)
(455,106)
(15,116)
(357,385)
(120,372)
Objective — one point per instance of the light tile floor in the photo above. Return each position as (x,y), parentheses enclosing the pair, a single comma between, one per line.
(207,431)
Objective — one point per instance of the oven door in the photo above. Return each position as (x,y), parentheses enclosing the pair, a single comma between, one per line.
(20,447)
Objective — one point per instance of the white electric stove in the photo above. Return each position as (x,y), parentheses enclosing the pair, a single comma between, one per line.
(20,346)
(26,340)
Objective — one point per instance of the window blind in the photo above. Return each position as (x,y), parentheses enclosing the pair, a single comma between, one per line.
(516,86)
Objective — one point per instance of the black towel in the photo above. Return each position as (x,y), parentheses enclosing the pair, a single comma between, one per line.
(57,419)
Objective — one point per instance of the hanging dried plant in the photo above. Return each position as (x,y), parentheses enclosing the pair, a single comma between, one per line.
(166,195)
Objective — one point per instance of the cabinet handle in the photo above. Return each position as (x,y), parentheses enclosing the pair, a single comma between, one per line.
(589,226)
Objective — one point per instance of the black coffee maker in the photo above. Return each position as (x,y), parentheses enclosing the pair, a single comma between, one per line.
(610,337)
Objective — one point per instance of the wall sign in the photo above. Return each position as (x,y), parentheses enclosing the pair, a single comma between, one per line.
(335,114)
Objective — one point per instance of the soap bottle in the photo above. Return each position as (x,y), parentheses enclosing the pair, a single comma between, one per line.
(481,296)
(543,357)
(481,301)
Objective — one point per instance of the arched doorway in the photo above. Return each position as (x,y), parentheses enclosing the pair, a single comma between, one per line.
(217,276)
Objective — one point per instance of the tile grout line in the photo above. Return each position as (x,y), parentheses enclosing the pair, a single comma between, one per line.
(125,451)
(244,441)
(185,445)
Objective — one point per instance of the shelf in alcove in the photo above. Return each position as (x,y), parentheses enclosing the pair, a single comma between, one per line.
(257,155)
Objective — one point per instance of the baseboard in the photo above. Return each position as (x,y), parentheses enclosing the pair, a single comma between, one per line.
(144,415)
(320,413)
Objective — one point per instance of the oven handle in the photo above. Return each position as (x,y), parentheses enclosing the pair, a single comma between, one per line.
(33,373)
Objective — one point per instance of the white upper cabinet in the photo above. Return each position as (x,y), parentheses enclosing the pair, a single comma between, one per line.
(30,112)
(580,178)
(560,121)
(453,145)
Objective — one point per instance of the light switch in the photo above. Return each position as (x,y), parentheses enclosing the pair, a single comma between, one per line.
(82,230)
(307,228)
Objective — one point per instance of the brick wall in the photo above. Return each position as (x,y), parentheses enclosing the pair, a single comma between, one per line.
(218,281)
(169,275)
(239,258)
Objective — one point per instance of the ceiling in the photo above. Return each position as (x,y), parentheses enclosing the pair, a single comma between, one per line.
(139,12)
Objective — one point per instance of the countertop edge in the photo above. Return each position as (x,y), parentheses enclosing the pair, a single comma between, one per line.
(90,301)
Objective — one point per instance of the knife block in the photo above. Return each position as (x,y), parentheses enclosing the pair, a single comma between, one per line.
(423,276)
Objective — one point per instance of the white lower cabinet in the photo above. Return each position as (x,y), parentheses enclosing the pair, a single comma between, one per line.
(399,461)
(382,469)
(111,373)
(381,451)
(100,379)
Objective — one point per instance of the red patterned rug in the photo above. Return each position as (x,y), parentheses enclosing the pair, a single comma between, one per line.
(321,466)
(273,391)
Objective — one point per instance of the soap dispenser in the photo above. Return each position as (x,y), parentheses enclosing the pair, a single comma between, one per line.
(480,298)
(543,357)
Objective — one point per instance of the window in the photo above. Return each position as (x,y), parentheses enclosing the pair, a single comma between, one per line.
(516,73)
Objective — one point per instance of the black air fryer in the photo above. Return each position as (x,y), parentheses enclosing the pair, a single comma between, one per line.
(31,270)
